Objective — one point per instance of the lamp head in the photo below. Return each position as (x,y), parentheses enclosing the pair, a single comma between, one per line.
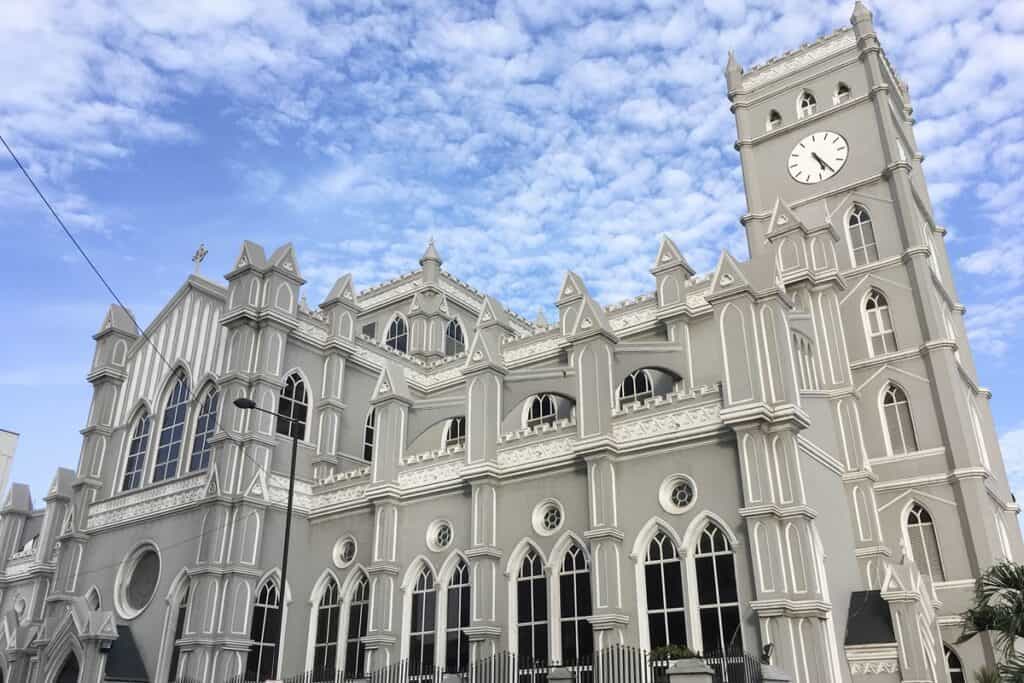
(245,403)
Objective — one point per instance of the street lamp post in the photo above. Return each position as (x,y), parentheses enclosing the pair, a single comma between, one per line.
(248,404)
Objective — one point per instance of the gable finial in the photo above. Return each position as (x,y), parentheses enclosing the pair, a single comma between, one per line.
(197,258)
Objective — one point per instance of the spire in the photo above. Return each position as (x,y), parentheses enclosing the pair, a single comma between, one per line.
(861,20)
(431,264)
(669,257)
(431,254)
(118,319)
(733,72)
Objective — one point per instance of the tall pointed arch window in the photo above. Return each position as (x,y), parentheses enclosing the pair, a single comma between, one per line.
(532,610)
(172,431)
(422,625)
(206,426)
(179,632)
(454,339)
(135,465)
(455,432)
(862,236)
(575,604)
(397,336)
(953,666)
(716,592)
(325,646)
(898,422)
(456,648)
(369,433)
(924,546)
(774,120)
(264,633)
(637,387)
(878,321)
(663,581)
(806,105)
(358,621)
(543,410)
(294,403)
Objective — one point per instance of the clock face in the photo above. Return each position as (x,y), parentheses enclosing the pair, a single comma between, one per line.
(817,157)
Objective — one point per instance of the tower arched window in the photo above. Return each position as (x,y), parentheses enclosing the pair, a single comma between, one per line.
(774,120)
(898,422)
(806,105)
(532,610)
(206,426)
(716,592)
(663,580)
(842,93)
(543,410)
(358,622)
(456,649)
(294,403)
(325,645)
(575,604)
(135,464)
(397,336)
(953,666)
(924,546)
(179,632)
(455,432)
(264,633)
(454,340)
(369,434)
(637,387)
(862,236)
(172,431)
(422,627)
(878,321)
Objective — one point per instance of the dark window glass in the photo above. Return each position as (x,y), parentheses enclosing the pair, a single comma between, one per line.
(179,631)
(206,426)
(574,594)
(398,335)
(455,432)
(293,403)
(716,592)
(325,647)
(172,432)
(369,432)
(664,588)
(456,656)
(358,613)
(454,341)
(136,462)
(422,626)
(370,330)
(142,582)
(266,628)
(532,610)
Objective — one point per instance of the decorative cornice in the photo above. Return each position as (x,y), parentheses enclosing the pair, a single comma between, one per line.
(801,58)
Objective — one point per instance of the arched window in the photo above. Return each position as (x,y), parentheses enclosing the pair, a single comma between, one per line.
(532,610)
(953,666)
(454,340)
(69,671)
(422,625)
(898,422)
(663,580)
(397,337)
(576,609)
(924,547)
(265,631)
(636,388)
(455,432)
(878,321)
(358,621)
(774,120)
(806,105)
(842,93)
(806,366)
(179,632)
(862,236)
(325,645)
(456,649)
(293,403)
(206,425)
(369,430)
(136,462)
(716,592)
(172,431)
(543,410)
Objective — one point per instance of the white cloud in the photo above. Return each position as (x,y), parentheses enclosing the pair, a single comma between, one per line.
(1011,444)
(991,326)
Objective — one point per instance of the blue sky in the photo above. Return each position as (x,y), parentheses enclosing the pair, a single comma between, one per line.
(527,136)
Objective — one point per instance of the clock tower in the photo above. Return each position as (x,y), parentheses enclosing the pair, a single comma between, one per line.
(838,207)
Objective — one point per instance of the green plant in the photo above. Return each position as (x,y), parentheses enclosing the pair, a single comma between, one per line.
(672,651)
(999,608)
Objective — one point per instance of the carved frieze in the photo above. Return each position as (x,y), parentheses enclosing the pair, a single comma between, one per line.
(535,452)
(661,424)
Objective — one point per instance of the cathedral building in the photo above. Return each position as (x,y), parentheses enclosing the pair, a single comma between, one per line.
(791,456)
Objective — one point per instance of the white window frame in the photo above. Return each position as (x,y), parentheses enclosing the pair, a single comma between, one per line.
(386,334)
(883,333)
(890,385)
(811,109)
(860,226)
(906,524)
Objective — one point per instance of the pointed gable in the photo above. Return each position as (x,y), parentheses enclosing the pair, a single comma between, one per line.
(60,487)
(670,257)
(492,313)
(391,384)
(591,319)
(572,288)
(19,498)
(118,319)
(728,276)
(342,292)
(783,220)
(251,256)
(482,354)
(283,258)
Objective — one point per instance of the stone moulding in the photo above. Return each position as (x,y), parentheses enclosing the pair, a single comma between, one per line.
(146,502)
(533,350)
(799,59)
(436,474)
(535,452)
(662,424)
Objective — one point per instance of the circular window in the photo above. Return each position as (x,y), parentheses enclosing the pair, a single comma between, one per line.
(137,580)
(677,493)
(344,552)
(439,535)
(548,517)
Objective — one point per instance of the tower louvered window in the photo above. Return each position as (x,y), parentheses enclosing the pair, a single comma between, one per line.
(879,324)
(172,431)
(422,627)
(532,610)
(136,462)
(898,421)
(575,604)
(862,237)
(716,592)
(206,426)
(774,120)
(663,580)
(924,546)
(358,621)
(294,403)
(325,647)
(842,93)
(456,649)
(454,340)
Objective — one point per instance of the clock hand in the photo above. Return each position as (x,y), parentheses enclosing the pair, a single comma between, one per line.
(821,162)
